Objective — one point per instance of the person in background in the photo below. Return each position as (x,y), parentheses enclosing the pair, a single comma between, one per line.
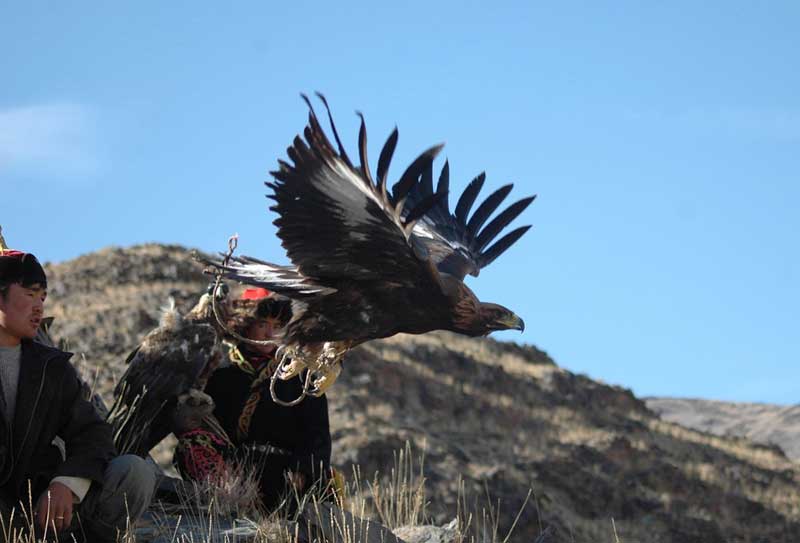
(86,489)
(291,446)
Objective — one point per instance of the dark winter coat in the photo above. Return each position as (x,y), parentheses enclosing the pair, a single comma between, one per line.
(302,431)
(50,404)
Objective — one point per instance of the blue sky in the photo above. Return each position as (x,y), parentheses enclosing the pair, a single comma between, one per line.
(663,142)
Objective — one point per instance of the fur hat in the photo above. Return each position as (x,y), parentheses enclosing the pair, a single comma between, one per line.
(19,267)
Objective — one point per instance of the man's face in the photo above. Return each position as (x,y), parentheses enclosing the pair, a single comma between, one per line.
(21,311)
(261,330)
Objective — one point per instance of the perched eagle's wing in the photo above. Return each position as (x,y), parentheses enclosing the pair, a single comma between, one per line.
(335,222)
(167,363)
(457,243)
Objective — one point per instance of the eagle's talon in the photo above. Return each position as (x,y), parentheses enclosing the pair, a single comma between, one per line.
(324,381)
(289,369)
(290,362)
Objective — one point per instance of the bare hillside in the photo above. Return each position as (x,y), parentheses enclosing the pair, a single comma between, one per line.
(777,425)
(499,415)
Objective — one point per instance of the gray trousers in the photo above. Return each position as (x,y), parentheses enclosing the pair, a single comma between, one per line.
(108,509)
(128,486)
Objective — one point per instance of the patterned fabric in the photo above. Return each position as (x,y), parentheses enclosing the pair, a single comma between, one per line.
(200,455)
(260,368)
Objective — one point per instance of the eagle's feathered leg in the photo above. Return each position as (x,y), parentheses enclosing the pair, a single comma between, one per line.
(195,409)
(303,394)
(291,361)
(328,366)
(322,364)
(325,379)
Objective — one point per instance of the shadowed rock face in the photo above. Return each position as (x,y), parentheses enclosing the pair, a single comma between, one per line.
(502,416)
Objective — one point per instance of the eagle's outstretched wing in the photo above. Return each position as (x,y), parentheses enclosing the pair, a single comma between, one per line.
(457,241)
(336,222)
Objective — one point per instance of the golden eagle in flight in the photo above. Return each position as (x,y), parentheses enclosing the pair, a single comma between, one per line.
(368,262)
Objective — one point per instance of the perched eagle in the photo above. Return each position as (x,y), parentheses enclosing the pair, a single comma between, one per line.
(160,391)
(368,263)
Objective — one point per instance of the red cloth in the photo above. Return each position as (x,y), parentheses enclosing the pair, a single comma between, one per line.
(200,455)
(255,294)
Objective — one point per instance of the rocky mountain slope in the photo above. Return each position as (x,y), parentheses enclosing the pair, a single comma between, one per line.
(503,418)
(763,423)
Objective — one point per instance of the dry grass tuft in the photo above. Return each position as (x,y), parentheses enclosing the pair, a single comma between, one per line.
(401,500)
(226,509)
(481,523)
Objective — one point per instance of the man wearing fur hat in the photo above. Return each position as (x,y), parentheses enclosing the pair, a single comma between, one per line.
(87,489)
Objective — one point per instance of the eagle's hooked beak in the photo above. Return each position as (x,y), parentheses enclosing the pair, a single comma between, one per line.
(510,321)
(518,324)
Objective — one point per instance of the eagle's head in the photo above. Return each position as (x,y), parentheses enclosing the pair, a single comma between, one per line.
(481,319)
(495,317)
(472,317)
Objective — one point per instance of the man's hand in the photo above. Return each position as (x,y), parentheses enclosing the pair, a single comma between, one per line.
(54,507)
